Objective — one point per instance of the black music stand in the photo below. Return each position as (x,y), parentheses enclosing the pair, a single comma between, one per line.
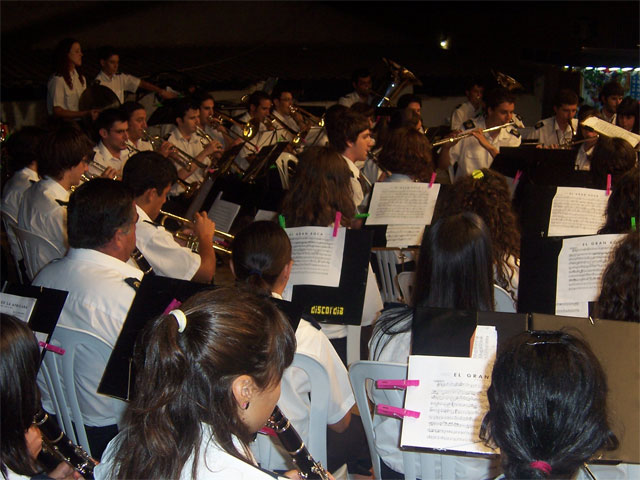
(263,161)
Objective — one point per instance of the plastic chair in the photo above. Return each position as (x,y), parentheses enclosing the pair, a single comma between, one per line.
(503,301)
(388,272)
(317,442)
(365,370)
(58,372)
(406,282)
(286,164)
(37,251)
(10,226)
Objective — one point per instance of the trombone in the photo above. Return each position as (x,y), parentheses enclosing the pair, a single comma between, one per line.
(469,133)
(319,121)
(181,157)
(248,131)
(192,240)
(272,120)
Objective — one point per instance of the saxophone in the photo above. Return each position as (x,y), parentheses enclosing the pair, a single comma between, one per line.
(56,444)
(291,441)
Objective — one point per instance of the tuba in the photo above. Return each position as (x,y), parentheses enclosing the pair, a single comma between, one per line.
(400,78)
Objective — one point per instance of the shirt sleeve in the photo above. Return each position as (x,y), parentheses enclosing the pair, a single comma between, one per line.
(56,92)
(164,254)
(130,83)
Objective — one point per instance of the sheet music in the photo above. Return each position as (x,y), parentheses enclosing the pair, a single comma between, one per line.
(265,215)
(485,342)
(611,130)
(402,203)
(223,213)
(404,235)
(452,401)
(577,211)
(317,255)
(21,308)
(580,266)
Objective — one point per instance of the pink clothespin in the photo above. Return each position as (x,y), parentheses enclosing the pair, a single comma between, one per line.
(390,411)
(336,224)
(608,184)
(175,303)
(433,179)
(52,348)
(517,177)
(267,431)
(396,384)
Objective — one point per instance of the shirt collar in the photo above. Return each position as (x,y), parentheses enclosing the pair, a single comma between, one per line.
(102,149)
(99,258)
(51,185)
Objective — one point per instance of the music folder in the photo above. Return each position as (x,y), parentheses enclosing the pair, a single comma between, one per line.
(154,295)
(342,304)
(538,273)
(447,332)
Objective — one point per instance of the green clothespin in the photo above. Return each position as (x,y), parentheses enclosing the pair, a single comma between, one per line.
(281,221)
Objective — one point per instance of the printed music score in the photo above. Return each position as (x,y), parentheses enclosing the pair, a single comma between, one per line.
(577,211)
(402,203)
(581,263)
(21,308)
(223,213)
(610,130)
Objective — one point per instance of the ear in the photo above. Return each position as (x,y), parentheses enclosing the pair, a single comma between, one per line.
(233,270)
(286,271)
(555,109)
(150,194)
(243,388)
(350,144)
(103,132)
(102,63)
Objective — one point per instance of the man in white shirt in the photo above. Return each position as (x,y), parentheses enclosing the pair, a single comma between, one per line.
(208,123)
(362,83)
(259,106)
(478,150)
(350,135)
(288,122)
(610,97)
(149,176)
(471,108)
(101,286)
(65,154)
(136,126)
(111,152)
(562,127)
(122,82)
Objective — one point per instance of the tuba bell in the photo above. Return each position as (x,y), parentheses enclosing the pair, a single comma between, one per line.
(400,78)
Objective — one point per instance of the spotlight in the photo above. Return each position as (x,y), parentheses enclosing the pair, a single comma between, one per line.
(444,44)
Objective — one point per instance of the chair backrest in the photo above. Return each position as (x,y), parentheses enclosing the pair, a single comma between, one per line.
(58,371)
(37,251)
(320,387)
(286,164)
(388,272)
(10,225)
(406,282)
(365,370)
(503,301)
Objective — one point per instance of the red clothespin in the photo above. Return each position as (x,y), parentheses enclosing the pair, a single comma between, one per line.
(433,179)
(390,411)
(517,177)
(396,384)
(52,348)
(608,184)
(336,224)
(175,303)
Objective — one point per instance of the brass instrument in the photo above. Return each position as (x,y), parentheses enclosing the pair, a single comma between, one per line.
(272,120)
(507,82)
(248,131)
(570,145)
(318,121)
(189,188)
(469,133)
(181,157)
(192,241)
(90,176)
(401,77)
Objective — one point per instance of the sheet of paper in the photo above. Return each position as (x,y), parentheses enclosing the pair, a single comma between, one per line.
(611,130)
(485,342)
(581,263)
(19,307)
(265,215)
(400,203)
(577,211)
(223,213)
(317,255)
(404,235)
(452,401)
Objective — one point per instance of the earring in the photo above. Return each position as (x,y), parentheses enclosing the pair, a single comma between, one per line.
(245,405)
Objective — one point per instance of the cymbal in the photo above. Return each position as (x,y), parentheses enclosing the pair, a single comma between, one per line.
(99,97)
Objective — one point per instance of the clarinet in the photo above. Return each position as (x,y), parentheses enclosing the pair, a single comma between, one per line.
(56,444)
(291,441)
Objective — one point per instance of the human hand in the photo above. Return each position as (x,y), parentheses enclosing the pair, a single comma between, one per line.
(204,228)
(33,439)
(167,95)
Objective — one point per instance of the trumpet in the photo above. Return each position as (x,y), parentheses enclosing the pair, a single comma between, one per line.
(319,121)
(189,188)
(469,133)
(192,241)
(101,168)
(181,157)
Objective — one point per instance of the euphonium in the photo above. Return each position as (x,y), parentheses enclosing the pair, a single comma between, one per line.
(192,240)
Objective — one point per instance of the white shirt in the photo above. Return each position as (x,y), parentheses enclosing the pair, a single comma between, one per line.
(471,156)
(351,98)
(40,213)
(213,462)
(163,253)
(60,95)
(358,195)
(103,158)
(462,113)
(141,145)
(549,133)
(285,135)
(262,138)
(192,147)
(583,158)
(98,302)
(119,83)
(11,196)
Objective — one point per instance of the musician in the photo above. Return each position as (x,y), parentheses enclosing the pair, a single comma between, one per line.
(136,125)
(102,235)
(65,154)
(628,115)
(208,377)
(611,156)
(561,128)
(111,151)
(406,156)
(149,176)
(412,102)
(362,83)
(21,440)
(478,150)
(183,136)
(259,104)
(585,150)
(610,97)
(67,84)
(350,135)
(470,109)
(214,129)
(122,82)
(282,99)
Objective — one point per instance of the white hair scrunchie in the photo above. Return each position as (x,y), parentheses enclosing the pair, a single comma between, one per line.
(181,318)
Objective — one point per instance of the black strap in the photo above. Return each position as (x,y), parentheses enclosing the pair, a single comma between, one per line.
(133,282)
(62,203)
(157,225)
(142,262)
